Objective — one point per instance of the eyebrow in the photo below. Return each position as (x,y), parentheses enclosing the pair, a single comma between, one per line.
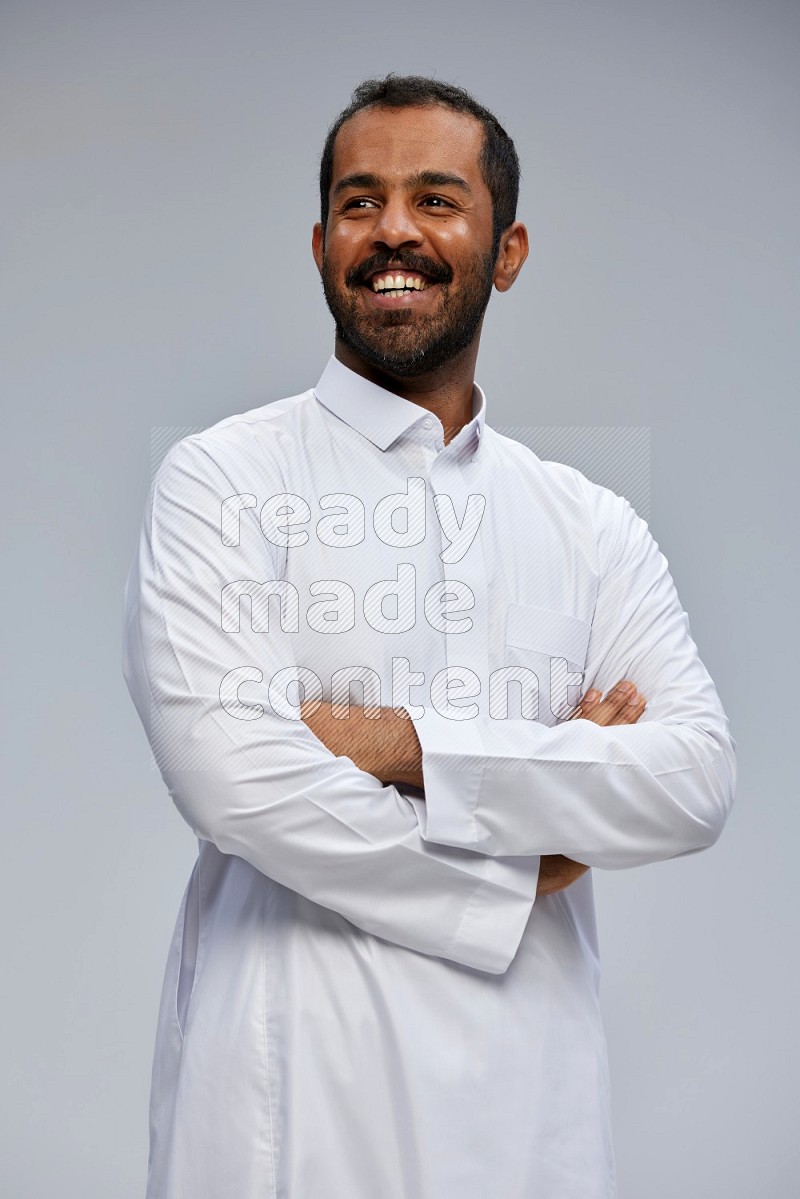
(420,179)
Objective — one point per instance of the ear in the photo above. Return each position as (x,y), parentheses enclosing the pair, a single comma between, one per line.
(511,254)
(318,245)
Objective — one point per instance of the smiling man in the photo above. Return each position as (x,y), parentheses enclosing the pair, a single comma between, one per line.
(383,980)
(433,228)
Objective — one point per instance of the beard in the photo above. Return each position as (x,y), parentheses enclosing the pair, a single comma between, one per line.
(403,342)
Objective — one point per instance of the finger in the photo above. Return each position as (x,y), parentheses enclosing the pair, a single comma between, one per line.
(614,707)
(606,711)
(629,708)
(632,710)
(589,701)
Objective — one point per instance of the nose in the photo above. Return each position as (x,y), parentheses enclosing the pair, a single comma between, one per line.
(396,224)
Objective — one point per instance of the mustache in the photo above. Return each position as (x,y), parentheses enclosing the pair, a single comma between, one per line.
(400,259)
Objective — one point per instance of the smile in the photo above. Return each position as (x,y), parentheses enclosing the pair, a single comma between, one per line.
(390,289)
(398,284)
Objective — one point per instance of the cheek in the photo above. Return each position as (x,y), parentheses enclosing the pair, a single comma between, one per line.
(452,240)
(344,246)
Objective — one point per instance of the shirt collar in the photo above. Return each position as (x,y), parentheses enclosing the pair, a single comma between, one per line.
(380,415)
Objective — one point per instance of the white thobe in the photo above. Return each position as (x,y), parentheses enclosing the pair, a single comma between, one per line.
(364,999)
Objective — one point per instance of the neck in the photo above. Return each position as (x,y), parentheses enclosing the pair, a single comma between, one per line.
(446,392)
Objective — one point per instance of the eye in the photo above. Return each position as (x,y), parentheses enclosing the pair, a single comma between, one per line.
(358,202)
(438,201)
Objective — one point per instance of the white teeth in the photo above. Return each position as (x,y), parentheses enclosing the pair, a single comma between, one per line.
(398,283)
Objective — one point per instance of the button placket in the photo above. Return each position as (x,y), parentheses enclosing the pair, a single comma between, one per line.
(470,649)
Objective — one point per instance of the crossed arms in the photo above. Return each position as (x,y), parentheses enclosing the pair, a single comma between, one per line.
(455,876)
(388,747)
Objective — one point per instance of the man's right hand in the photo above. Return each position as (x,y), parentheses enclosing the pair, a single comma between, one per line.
(621,705)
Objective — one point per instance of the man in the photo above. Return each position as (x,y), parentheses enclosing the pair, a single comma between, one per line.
(383,982)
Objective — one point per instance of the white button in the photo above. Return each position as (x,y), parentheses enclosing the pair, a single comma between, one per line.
(427,424)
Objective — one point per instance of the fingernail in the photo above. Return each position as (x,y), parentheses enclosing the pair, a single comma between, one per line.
(592,696)
(633,701)
(626,688)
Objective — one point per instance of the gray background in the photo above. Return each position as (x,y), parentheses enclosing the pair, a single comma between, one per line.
(159,190)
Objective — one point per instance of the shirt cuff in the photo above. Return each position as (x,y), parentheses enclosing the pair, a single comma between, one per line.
(498,912)
(452,769)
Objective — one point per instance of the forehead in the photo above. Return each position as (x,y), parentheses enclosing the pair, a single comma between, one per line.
(402,141)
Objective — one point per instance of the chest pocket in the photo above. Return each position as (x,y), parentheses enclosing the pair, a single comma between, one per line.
(553,646)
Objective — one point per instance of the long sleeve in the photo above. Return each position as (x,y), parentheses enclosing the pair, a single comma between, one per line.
(613,796)
(262,786)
